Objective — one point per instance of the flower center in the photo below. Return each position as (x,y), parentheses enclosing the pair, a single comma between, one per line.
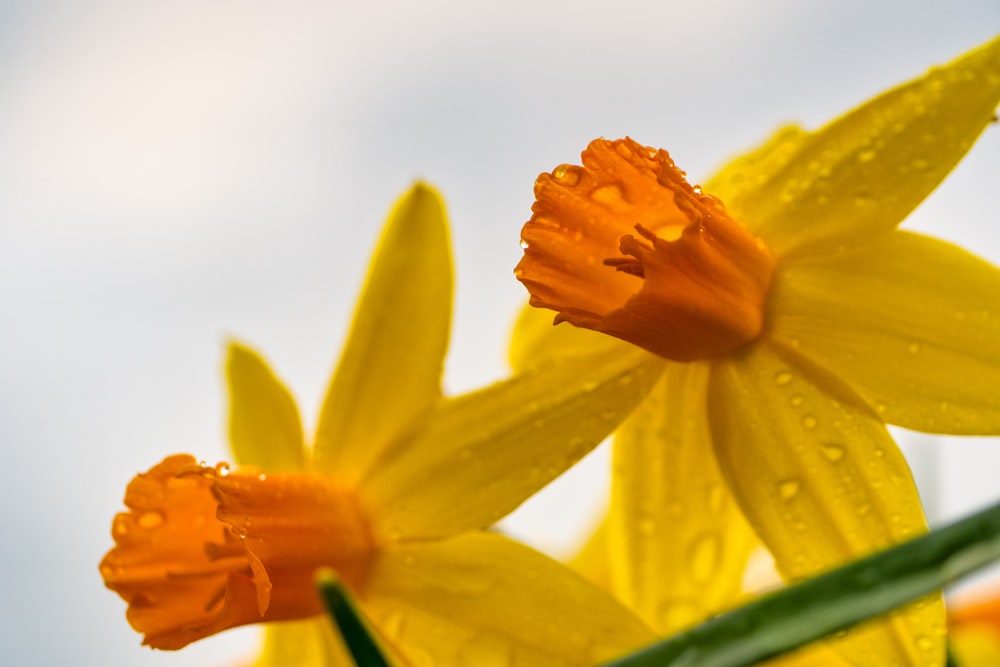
(704,277)
(202,549)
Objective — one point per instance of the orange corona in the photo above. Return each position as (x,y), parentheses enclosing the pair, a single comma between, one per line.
(203,549)
(626,246)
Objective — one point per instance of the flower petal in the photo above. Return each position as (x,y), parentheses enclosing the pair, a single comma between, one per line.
(864,172)
(480,455)
(536,339)
(390,369)
(910,322)
(264,425)
(678,543)
(822,482)
(482,599)
(591,560)
(744,175)
(181,571)
(308,643)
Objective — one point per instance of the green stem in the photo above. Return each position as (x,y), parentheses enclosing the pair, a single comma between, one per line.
(787,619)
(359,641)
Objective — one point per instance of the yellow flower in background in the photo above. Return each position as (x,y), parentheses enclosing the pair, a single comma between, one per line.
(794,321)
(974,629)
(393,493)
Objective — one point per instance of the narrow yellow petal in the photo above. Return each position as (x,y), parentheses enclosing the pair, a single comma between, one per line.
(481,599)
(738,180)
(480,455)
(822,482)
(309,643)
(910,322)
(678,543)
(390,369)
(591,561)
(864,172)
(536,339)
(264,425)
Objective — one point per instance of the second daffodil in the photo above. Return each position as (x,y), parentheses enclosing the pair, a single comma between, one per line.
(393,493)
(792,321)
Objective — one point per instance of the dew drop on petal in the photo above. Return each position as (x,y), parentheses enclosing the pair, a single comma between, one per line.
(151,519)
(782,378)
(567,174)
(809,422)
(703,557)
(832,451)
(913,348)
(788,489)
(795,401)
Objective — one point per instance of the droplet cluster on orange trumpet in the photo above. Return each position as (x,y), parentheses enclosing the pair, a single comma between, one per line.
(704,276)
(203,549)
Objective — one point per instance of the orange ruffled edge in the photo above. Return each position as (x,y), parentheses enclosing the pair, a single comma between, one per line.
(202,549)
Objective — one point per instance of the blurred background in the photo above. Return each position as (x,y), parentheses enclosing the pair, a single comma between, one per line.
(174,174)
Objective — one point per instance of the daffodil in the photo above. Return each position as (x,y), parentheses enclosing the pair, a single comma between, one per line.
(974,629)
(793,320)
(393,492)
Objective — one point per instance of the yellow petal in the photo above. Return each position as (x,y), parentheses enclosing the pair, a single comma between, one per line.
(481,599)
(910,322)
(309,643)
(822,482)
(975,646)
(390,368)
(264,425)
(864,172)
(591,561)
(738,180)
(480,455)
(536,339)
(678,543)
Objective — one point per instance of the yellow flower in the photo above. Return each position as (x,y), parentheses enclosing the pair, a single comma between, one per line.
(793,321)
(393,493)
(974,629)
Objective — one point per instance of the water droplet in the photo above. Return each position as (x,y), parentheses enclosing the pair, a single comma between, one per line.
(703,557)
(788,489)
(913,348)
(795,401)
(566,174)
(782,378)
(589,385)
(925,643)
(832,451)
(262,477)
(675,614)
(809,422)
(392,624)
(864,509)
(222,469)
(866,156)
(578,448)
(151,519)
(524,245)
(863,199)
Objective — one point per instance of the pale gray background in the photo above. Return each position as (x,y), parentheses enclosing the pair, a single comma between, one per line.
(174,173)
